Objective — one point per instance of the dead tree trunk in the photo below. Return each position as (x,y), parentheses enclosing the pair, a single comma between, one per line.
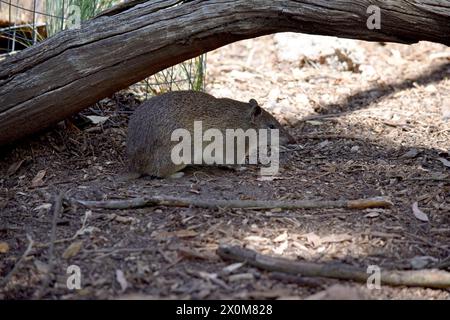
(69,72)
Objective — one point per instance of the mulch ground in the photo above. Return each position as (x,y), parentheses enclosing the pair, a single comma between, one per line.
(377,126)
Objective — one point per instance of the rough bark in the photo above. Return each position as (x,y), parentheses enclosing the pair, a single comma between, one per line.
(74,69)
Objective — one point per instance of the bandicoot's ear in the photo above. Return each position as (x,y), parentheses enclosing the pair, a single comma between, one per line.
(256,109)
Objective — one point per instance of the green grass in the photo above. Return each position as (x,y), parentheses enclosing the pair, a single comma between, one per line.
(188,75)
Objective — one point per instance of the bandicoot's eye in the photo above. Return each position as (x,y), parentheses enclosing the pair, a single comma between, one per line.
(271,126)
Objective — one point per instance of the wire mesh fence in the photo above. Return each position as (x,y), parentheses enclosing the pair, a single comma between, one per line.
(24,23)
(21,23)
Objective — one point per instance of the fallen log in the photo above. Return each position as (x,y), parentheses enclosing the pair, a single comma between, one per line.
(76,68)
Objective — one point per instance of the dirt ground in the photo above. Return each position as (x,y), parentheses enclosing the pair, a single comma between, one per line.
(370,120)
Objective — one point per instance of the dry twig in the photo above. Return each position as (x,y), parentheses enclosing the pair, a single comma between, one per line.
(417,278)
(8,277)
(249,204)
(57,209)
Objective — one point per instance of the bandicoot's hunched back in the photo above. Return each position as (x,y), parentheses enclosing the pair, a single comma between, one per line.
(149,144)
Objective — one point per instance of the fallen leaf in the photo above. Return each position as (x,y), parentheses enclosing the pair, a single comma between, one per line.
(354,149)
(72,250)
(282,237)
(257,239)
(194,254)
(314,122)
(42,266)
(372,214)
(44,206)
(4,247)
(122,219)
(14,167)
(419,214)
(313,239)
(445,162)
(335,238)
(213,277)
(281,248)
(86,230)
(120,277)
(300,246)
(241,277)
(207,275)
(179,234)
(233,267)
(143,268)
(323,144)
(411,154)
(97,119)
(185,233)
(38,180)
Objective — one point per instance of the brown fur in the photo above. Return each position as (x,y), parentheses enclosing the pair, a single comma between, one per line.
(149,142)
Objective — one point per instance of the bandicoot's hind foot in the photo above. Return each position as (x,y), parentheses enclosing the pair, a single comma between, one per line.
(176,175)
(129,176)
(164,169)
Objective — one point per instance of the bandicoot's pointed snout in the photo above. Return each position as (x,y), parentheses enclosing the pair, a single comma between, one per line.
(286,138)
(291,139)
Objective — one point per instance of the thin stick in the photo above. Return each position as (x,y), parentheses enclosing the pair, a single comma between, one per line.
(249,204)
(8,277)
(417,278)
(444,263)
(324,116)
(330,136)
(57,208)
